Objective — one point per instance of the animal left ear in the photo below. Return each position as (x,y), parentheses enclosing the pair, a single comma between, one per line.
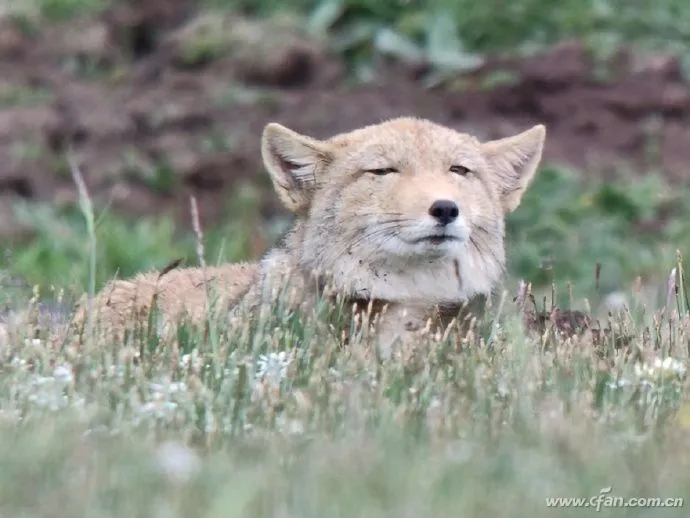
(513,162)
(294,162)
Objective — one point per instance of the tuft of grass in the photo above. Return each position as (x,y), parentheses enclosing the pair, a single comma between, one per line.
(282,419)
(450,34)
(33,12)
(86,209)
(454,34)
(565,226)
(277,417)
(59,253)
(22,95)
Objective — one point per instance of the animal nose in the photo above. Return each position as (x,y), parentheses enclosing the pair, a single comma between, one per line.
(445,211)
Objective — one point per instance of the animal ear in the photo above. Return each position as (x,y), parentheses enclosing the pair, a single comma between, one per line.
(513,162)
(294,162)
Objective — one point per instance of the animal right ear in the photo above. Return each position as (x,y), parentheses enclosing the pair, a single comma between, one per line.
(294,162)
(514,161)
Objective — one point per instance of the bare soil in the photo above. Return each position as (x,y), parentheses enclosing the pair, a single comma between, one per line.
(158,103)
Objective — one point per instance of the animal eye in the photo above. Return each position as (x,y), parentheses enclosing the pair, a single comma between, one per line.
(382,171)
(460,169)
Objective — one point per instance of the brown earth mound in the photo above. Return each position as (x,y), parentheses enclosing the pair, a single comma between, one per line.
(159,102)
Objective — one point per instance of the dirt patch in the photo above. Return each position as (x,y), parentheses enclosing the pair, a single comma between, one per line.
(158,103)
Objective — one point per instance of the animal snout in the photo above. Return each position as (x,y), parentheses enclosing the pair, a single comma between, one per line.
(444,211)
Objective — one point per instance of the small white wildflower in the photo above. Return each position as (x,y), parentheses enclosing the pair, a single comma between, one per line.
(373,379)
(639,370)
(178,387)
(48,392)
(63,373)
(668,367)
(49,399)
(210,425)
(43,380)
(177,461)
(672,365)
(502,388)
(231,372)
(18,363)
(159,408)
(615,302)
(116,371)
(619,383)
(273,366)
(290,426)
(192,359)
(295,427)
(174,387)
(434,403)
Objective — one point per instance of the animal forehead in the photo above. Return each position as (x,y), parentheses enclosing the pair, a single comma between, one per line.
(408,140)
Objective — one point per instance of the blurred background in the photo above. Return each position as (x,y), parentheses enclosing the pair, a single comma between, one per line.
(158,100)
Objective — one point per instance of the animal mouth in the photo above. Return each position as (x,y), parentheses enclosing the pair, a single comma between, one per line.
(436,239)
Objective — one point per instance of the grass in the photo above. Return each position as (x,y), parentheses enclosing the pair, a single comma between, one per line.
(281,421)
(563,229)
(36,11)
(451,34)
(276,419)
(566,226)
(455,34)
(58,254)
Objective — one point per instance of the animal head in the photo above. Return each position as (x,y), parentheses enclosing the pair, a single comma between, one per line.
(406,197)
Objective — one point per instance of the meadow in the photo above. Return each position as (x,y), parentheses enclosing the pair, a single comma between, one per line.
(277,419)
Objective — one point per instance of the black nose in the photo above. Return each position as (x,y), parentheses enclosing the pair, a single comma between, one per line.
(444,211)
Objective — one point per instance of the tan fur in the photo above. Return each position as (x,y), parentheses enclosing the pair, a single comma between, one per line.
(123,304)
(366,233)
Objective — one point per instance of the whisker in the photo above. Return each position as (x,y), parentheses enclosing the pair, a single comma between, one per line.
(378,248)
(485,250)
(369,234)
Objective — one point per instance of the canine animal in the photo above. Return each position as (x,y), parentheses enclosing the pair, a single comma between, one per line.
(406,212)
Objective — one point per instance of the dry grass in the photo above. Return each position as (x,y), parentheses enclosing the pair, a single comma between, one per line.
(277,419)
